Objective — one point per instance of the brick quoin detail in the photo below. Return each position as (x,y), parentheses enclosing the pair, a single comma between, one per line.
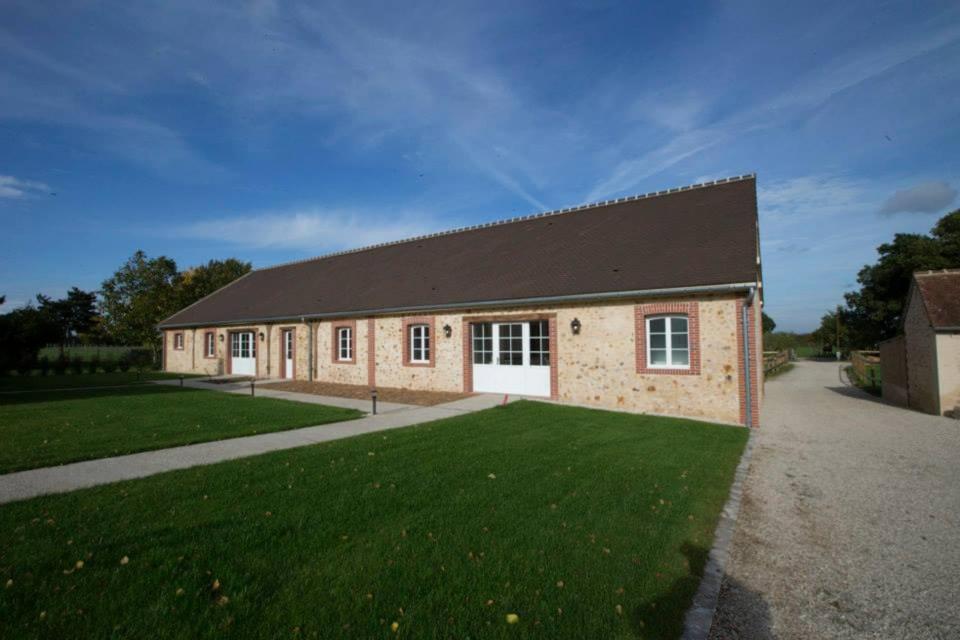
(335,350)
(371,353)
(692,311)
(754,398)
(467,357)
(554,360)
(430,321)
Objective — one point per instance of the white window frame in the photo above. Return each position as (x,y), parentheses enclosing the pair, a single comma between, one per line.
(178,341)
(210,346)
(344,355)
(424,336)
(668,328)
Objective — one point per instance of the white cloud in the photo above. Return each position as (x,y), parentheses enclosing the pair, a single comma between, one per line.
(817,196)
(315,230)
(11,187)
(926,197)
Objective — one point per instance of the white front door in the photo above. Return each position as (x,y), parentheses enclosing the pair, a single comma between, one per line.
(243,354)
(512,357)
(288,353)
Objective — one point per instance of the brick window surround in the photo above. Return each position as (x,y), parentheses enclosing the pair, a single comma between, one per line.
(178,341)
(467,331)
(335,340)
(207,336)
(431,322)
(689,309)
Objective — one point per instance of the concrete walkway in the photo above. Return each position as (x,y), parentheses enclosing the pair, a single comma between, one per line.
(78,475)
(849,522)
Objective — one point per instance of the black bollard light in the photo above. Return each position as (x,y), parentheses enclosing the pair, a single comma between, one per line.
(181,382)
(373,397)
(252,393)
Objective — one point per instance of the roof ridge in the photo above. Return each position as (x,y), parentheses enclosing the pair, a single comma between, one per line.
(937,272)
(532,216)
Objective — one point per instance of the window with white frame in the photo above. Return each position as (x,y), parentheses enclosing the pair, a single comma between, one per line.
(668,342)
(482,343)
(345,343)
(419,343)
(210,344)
(178,341)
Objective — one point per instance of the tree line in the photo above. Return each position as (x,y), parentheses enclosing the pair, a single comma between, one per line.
(872,313)
(124,311)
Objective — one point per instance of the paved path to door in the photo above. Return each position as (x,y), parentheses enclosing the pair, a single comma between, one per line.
(850,520)
(78,475)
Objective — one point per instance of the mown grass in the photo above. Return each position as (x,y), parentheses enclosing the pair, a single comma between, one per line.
(582,523)
(36,381)
(42,428)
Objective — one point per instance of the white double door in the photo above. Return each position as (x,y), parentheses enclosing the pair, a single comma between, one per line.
(243,353)
(512,357)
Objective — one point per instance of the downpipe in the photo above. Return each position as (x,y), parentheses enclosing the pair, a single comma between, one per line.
(747,362)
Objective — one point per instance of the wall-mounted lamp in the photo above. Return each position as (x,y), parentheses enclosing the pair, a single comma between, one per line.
(575,326)
(261,336)
(447,330)
(221,337)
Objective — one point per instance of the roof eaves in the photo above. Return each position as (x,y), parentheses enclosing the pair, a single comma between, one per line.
(193,304)
(561,299)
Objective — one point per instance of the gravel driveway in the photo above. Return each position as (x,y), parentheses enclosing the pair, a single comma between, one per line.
(850,521)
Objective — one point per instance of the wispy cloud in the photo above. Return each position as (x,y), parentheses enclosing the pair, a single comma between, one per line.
(313,230)
(926,197)
(12,187)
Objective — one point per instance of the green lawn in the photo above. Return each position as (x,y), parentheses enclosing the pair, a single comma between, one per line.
(584,524)
(46,428)
(78,380)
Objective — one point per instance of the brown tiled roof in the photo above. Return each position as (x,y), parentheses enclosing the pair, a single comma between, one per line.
(940,292)
(692,236)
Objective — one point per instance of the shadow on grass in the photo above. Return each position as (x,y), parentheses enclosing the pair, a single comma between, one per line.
(741,613)
(31,397)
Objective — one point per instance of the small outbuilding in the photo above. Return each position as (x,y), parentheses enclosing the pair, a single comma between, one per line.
(921,367)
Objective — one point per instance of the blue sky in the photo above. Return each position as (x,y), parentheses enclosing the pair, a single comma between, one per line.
(272,131)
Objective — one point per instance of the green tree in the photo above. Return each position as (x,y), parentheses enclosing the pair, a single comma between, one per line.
(72,315)
(826,334)
(196,282)
(873,312)
(140,294)
(768,323)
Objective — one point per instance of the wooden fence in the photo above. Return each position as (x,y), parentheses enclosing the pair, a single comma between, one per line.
(773,360)
(866,366)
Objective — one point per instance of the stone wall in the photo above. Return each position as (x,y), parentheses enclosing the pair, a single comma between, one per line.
(948,361)
(597,367)
(893,364)
(921,357)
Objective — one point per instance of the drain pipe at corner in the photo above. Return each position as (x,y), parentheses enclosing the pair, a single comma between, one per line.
(745,323)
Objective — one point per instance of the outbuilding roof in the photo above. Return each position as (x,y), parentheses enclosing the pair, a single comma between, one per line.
(940,293)
(697,236)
